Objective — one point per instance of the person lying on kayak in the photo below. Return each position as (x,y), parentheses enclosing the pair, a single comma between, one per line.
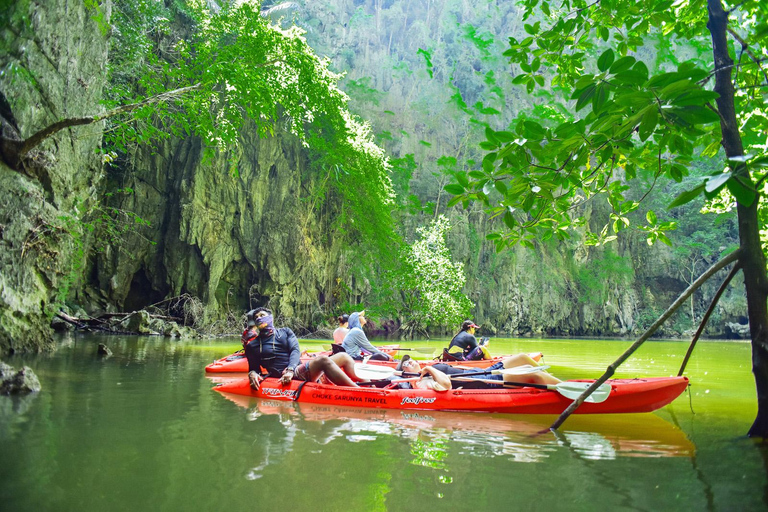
(438,376)
(356,343)
(464,345)
(277,351)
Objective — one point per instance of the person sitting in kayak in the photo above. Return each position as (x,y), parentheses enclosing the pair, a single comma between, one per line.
(356,343)
(342,330)
(277,351)
(438,376)
(464,345)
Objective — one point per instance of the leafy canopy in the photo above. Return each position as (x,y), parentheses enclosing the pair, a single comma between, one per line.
(615,120)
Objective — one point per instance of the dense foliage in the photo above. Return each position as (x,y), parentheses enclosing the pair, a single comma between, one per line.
(614,121)
(430,283)
(236,68)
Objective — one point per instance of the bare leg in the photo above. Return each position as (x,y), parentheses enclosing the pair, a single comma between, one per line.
(324,364)
(532,378)
(519,360)
(346,363)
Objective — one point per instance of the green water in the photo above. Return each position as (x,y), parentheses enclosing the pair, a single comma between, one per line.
(142,430)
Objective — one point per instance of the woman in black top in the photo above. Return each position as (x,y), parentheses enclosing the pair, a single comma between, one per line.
(464,345)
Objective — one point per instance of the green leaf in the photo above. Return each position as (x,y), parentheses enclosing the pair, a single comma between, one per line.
(503,136)
(712,149)
(713,184)
(650,216)
(501,187)
(744,195)
(533,130)
(509,220)
(585,96)
(453,188)
(520,79)
(648,123)
(623,64)
(687,197)
(491,137)
(605,60)
(600,97)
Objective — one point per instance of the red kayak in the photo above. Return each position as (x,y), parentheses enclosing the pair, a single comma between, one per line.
(626,396)
(236,363)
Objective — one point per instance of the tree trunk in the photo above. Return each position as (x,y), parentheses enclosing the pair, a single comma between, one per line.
(752,260)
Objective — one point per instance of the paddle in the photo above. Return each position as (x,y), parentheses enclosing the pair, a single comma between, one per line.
(421,350)
(571,390)
(375,372)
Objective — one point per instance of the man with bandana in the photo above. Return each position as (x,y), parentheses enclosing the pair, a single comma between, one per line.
(277,351)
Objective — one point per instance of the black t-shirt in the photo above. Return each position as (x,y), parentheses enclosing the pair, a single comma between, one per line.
(465,341)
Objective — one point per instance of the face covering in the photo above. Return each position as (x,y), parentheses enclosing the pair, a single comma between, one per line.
(265,320)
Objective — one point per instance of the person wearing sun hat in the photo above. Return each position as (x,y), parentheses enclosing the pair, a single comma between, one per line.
(464,345)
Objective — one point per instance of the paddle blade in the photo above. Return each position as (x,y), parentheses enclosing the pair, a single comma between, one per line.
(373,372)
(573,390)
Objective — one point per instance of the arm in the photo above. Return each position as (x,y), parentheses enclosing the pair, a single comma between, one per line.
(254,366)
(362,342)
(442,381)
(294,357)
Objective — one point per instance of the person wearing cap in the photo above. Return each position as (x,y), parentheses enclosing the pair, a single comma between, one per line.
(356,343)
(464,345)
(438,376)
(277,351)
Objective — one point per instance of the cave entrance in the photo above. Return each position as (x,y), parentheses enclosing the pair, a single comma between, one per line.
(141,293)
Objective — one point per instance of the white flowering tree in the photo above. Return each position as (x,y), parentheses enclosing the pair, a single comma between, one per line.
(430,283)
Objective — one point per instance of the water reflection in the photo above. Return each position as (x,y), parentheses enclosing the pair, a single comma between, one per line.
(517,438)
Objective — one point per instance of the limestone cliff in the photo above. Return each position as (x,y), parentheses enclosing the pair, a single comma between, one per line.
(255,238)
(52,58)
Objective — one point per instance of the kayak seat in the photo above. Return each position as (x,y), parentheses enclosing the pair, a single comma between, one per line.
(337,349)
(447,356)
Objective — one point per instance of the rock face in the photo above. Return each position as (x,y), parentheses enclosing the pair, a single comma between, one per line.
(236,242)
(567,289)
(53,56)
(13,382)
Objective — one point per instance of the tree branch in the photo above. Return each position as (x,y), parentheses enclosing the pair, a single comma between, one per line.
(705,319)
(14,151)
(745,47)
(734,256)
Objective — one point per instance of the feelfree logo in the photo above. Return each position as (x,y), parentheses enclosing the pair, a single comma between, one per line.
(416,400)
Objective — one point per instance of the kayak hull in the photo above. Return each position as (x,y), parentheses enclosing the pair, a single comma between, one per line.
(627,396)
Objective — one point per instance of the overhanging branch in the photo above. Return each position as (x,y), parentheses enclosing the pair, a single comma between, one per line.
(13,151)
(734,256)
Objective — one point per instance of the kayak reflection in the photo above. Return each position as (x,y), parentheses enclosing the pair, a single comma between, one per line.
(523,438)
